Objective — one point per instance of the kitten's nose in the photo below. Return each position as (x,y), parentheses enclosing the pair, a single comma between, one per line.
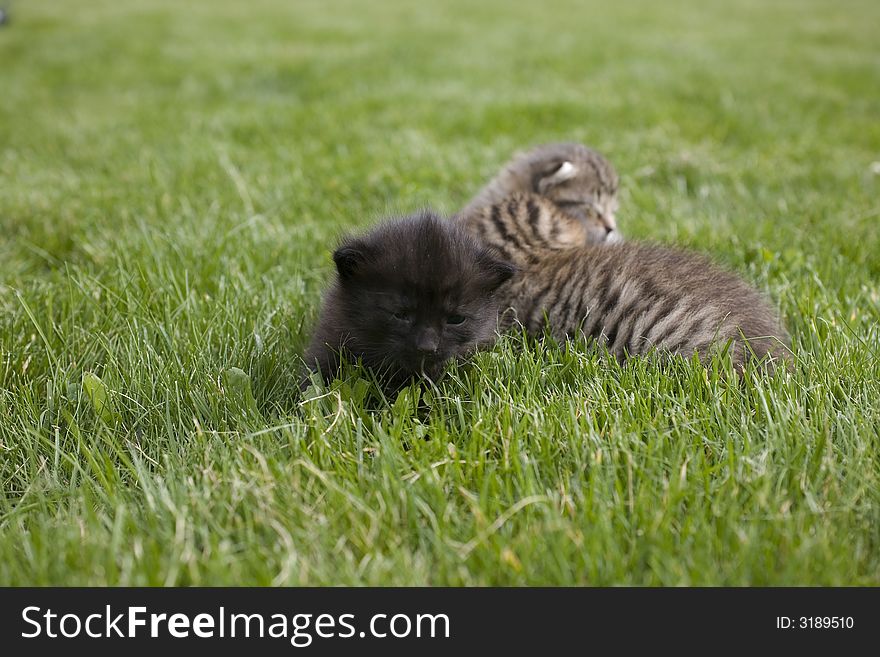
(428,341)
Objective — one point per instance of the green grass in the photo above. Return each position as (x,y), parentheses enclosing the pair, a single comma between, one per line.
(173,177)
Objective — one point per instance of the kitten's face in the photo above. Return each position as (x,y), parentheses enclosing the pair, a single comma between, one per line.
(596,214)
(418,294)
(412,332)
(586,189)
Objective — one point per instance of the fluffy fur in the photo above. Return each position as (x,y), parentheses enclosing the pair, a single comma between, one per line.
(630,297)
(524,228)
(409,296)
(578,181)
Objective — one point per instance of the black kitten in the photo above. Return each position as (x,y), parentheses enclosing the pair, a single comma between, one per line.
(409,296)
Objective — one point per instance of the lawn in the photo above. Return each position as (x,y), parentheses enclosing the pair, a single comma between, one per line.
(173,178)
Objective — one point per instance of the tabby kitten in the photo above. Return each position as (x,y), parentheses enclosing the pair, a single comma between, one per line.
(577,180)
(630,297)
(409,296)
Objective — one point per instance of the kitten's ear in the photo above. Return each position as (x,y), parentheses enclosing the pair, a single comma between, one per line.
(496,271)
(349,259)
(556,176)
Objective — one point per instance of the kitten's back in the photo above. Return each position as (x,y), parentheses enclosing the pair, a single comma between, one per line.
(635,298)
(631,297)
(524,227)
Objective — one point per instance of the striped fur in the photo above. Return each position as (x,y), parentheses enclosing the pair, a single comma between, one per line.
(580,183)
(524,228)
(630,297)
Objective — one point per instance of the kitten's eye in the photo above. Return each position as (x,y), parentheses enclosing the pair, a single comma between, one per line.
(455,320)
(401,316)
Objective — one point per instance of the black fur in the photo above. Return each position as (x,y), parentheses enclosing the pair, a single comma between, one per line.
(409,296)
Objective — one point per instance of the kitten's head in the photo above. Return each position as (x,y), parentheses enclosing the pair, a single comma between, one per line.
(580,181)
(417,292)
